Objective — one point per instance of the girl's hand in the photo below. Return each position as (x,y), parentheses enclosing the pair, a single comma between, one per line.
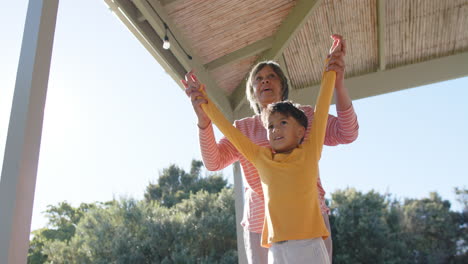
(192,89)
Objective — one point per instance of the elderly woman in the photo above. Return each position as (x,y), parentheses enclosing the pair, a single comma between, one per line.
(267,84)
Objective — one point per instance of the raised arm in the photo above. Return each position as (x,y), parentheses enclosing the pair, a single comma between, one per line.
(336,63)
(239,140)
(216,155)
(319,123)
(343,129)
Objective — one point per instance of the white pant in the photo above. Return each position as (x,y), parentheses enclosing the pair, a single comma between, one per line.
(256,254)
(299,252)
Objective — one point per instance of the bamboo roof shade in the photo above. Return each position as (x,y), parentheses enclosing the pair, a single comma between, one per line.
(392,44)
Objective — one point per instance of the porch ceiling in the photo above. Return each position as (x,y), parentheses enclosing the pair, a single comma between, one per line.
(392,45)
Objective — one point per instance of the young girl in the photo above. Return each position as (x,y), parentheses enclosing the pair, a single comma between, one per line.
(293,227)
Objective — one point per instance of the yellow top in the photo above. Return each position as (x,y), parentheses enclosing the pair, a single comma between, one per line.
(289,181)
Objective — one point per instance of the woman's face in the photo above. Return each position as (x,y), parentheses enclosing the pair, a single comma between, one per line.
(267,86)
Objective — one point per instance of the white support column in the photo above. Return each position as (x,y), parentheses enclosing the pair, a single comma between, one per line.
(239,205)
(18,179)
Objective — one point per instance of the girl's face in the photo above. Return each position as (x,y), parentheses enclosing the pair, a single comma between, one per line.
(267,86)
(284,133)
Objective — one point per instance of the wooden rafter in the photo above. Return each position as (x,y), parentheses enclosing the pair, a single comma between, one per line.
(166,2)
(247,51)
(390,80)
(156,17)
(381,32)
(132,18)
(287,31)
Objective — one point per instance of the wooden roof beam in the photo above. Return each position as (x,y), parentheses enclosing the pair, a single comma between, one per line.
(166,2)
(286,32)
(154,13)
(245,52)
(387,81)
(131,17)
(381,30)
(400,78)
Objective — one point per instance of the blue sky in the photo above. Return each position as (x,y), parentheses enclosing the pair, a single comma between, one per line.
(114,119)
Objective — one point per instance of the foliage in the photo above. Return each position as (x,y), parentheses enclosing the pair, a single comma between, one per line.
(199,229)
(186,218)
(462,197)
(175,185)
(63,219)
(212,218)
(372,228)
(360,228)
(432,229)
(462,221)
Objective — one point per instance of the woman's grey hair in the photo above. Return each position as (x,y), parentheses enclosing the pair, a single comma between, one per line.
(250,91)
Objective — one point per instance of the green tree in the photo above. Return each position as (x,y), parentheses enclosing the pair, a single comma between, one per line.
(175,185)
(462,220)
(371,228)
(209,234)
(200,229)
(115,234)
(61,226)
(185,218)
(431,229)
(36,246)
(462,197)
(361,229)
(435,234)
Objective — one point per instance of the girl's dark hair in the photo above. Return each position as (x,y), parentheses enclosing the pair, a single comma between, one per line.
(250,91)
(286,108)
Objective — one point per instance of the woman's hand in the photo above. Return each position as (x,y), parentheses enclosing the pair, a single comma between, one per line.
(192,89)
(337,62)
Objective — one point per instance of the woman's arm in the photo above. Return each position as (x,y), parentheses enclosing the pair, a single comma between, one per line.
(345,128)
(241,142)
(336,63)
(216,156)
(206,111)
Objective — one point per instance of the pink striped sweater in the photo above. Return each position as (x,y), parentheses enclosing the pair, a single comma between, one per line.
(216,156)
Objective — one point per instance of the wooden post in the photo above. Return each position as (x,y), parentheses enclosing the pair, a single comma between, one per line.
(18,179)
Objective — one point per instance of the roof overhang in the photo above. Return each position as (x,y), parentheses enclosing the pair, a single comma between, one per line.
(391,45)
